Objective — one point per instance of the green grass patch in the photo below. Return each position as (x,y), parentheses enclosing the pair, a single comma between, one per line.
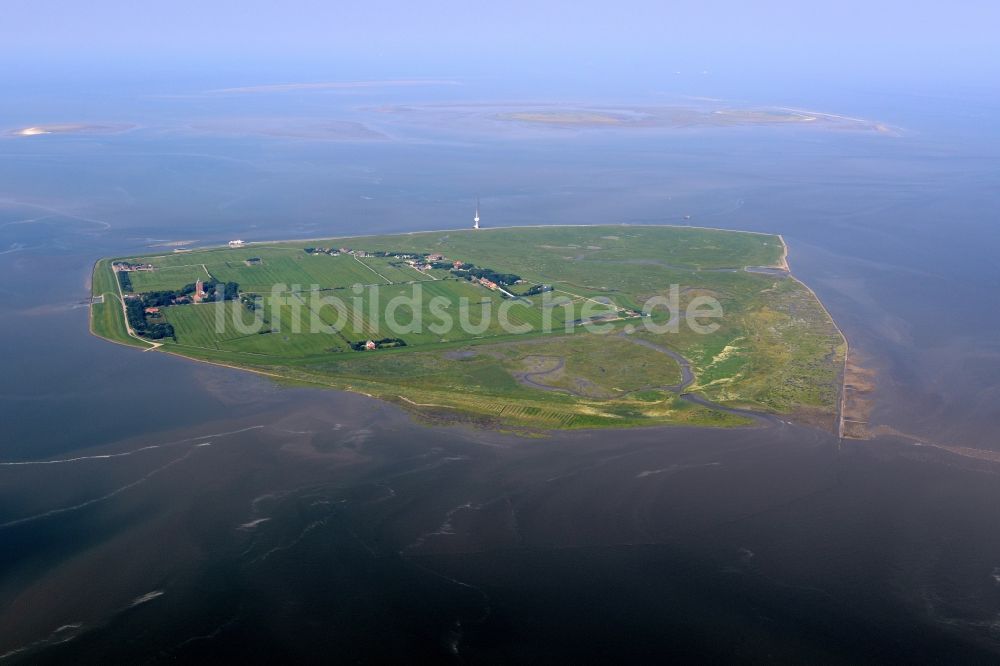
(774,348)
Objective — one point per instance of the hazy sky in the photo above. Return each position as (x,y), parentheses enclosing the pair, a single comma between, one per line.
(436,36)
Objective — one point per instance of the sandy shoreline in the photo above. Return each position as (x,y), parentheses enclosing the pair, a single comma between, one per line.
(847,344)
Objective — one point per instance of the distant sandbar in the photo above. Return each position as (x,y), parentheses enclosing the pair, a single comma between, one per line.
(71,128)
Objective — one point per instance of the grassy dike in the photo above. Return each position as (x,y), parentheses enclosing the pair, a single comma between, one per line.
(106,318)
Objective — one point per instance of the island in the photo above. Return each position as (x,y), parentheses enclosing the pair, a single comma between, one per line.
(70,128)
(565,119)
(520,328)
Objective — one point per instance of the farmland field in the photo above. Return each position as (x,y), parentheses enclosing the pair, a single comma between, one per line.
(588,327)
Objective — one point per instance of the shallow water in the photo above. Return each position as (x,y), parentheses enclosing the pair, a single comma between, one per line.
(188,511)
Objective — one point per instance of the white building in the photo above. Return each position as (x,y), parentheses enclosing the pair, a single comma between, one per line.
(236,243)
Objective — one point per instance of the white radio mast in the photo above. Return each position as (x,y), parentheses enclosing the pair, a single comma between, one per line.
(475,220)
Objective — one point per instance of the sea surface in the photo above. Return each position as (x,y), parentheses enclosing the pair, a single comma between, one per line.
(155,509)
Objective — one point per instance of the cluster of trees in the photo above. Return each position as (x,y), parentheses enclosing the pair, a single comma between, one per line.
(249,301)
(390,253)
(537,289)
(374,253)
(252,302)
(379,344)
(160,331)
(229,291)
(124,280)
(157,299)
(135,311)
(470,270)
(135,306)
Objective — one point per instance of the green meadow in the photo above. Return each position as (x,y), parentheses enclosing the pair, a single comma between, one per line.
(773,349)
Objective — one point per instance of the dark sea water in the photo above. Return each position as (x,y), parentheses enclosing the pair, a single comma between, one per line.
(155,509)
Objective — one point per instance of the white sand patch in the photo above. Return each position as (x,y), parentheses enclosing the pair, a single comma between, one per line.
(726,352)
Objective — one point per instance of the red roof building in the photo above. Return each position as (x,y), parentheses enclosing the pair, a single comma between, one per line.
(199,292)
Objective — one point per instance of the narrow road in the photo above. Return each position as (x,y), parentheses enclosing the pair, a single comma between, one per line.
(425,275)
(128,327)
(372,270)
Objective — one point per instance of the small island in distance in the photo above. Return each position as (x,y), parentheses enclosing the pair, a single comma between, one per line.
(71,128)
(531,328)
